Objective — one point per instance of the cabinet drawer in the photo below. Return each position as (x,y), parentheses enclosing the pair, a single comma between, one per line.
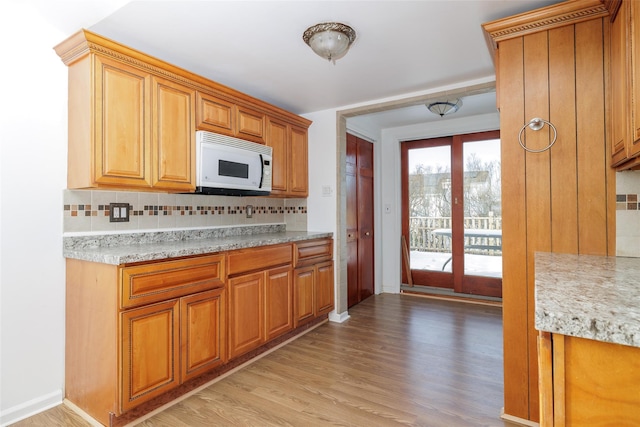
(258,258)
(313,251)
(147,283)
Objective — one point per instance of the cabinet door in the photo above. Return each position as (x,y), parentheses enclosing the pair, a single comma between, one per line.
(303,294)
(299,173)
(635,77)
(250,124)
(324,288)
(173,136)
(278,140)
(202,332)
(246,313)
(122,146)
(150,352)
(279,302)
(214,114)
(620,82)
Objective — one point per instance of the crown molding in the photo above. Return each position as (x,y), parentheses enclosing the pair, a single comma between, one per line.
(558,15)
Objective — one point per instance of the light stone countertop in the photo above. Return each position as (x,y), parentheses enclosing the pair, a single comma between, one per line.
(135,247)
(587,296)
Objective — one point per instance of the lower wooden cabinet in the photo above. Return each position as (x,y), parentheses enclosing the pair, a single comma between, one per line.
(260,308)
(246,313)
(587,383)
(134,332)
(313,292)
(150,352)
(278,302)
(304,294)
(203,343)
(166,344)
(313,289)
(137,331)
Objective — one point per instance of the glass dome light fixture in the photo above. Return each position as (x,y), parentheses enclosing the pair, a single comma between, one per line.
(330,40)
(445,107)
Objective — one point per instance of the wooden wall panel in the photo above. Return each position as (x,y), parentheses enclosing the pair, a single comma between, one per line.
(559,200)
(514,232)
(538,185)
(562,112)
(593,159)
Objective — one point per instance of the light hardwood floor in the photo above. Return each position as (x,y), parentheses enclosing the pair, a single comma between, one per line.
(399,360)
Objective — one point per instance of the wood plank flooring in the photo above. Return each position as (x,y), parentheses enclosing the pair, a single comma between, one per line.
(400,360)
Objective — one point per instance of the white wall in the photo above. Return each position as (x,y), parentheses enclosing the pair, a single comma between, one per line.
(32,176)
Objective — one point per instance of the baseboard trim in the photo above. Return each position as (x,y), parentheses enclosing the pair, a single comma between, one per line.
(339,318)
(31,407)
(517,421)
(88,418)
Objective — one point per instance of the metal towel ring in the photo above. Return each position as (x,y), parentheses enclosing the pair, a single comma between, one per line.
(536,124)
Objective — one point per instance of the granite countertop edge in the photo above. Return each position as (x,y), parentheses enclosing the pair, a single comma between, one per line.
(588,296)
(129,248)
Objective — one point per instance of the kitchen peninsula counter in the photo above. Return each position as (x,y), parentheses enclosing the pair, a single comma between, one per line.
(586,296)
(587,312)
(125,248)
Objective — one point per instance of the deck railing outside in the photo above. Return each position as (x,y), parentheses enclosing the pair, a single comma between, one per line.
(422,238)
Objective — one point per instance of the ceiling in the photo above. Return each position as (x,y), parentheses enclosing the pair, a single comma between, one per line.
(256,47)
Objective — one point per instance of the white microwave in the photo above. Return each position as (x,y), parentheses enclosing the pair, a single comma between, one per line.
(232,167)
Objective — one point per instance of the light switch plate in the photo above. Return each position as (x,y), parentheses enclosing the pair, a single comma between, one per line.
(118,212)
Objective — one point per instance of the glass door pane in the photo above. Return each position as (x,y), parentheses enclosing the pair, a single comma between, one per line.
(430,208)
(482,209)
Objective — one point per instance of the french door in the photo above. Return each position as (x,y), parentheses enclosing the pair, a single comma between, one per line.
(451,212)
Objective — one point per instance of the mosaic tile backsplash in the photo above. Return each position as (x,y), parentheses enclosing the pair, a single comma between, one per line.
(88,211)
(628,213)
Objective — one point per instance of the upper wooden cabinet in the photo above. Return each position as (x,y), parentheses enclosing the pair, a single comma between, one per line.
(173,136)
(223,116)
(290,159)
(215,114)
(625,85)
(133,117)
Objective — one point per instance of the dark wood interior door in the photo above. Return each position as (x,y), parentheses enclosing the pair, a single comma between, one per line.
(360,233)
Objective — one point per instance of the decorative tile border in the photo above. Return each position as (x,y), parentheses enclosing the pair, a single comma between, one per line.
(153,210)
(627,202)
(88,211)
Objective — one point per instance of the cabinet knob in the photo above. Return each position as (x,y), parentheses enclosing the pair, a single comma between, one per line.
(367,233)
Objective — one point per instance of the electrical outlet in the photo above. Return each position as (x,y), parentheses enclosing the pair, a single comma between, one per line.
(118,212)
(249,211)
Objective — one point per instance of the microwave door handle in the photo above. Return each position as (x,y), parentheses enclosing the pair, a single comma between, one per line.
(261,171)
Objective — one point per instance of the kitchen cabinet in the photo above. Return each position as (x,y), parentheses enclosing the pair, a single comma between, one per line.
(134,332)
(278,302)
(215,114)
(251,124)
(203,342)
(133,117)
(144,128)
(121,143)
(313,280)
(260,296)
(585,382)
(290,158)
(625,85)
(150,352)
(173,136)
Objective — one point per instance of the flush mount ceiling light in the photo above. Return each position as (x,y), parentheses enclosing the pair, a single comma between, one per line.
(330,40)
(445,107)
